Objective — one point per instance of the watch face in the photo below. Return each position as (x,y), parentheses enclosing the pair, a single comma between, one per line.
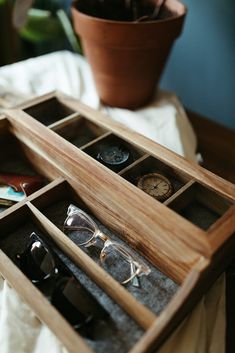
(156,185)
(113,155)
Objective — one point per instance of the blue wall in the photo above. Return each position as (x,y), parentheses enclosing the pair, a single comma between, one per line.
(201,67)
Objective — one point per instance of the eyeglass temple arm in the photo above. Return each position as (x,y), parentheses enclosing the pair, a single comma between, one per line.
(133,278)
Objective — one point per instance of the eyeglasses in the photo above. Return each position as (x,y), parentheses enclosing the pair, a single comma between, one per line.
(115,257)
(73,301)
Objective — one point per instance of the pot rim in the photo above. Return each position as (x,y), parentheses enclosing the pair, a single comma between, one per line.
(131,23)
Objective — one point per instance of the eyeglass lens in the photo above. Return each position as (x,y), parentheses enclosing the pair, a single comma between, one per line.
(114,262)
(115,258)
(79,221)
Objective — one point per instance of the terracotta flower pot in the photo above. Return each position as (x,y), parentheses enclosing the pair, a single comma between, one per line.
(127,58)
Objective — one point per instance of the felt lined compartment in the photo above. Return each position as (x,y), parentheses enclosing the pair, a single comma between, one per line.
(97,147)
(200,205)
(120,332)
(149,164)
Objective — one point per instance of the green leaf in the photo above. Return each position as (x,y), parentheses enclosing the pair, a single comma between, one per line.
(41,26)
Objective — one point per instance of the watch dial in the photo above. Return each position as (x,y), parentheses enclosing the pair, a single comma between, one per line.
(156,186)
(114,155)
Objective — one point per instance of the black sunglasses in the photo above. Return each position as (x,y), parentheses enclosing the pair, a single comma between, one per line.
(41,265)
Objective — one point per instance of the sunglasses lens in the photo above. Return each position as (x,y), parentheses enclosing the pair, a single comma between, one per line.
(37,262)
(77,305)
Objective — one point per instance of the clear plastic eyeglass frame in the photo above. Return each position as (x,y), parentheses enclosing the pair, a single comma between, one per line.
(87,233)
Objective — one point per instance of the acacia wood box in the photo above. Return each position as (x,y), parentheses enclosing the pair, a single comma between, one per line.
(188,237)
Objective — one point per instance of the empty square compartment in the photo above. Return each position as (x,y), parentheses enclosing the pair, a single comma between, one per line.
(114,152)
(150,165)
(200,205)
(49,111)
(79,130)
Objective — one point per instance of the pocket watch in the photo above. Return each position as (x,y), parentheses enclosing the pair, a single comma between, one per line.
(114,156)
(156,185)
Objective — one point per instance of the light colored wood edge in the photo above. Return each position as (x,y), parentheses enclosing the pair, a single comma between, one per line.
(97,139)
(178,192)
(59,124)
(42,307)
(142,315)
(151,337)
(204,274)
(36,100)
(221,230)
(133,165)
(46,188)
(98,186)
(193,170)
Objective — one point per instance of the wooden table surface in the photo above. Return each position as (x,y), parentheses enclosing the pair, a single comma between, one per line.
(217,146)
(216,143)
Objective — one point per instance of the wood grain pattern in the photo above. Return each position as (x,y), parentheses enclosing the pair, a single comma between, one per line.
(98,185)
(190,168)
(180,249)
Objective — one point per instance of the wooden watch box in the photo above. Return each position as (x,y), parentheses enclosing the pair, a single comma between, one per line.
(187,239)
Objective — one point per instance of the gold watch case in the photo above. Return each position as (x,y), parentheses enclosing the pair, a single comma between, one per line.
(156,185)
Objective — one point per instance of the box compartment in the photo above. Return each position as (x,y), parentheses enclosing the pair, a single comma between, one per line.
(78,130)
(200,205)
(49,111)
(129,152)
(149,164)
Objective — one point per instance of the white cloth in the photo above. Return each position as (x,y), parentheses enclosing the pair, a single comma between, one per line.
(163,121)
(20,330)
(203,331)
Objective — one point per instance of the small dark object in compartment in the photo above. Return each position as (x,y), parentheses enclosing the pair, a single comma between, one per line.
(156,185)
(15,187)
(40,264)
(22,183)
(116,157)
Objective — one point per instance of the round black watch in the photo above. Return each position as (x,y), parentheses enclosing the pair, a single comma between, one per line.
(114,156)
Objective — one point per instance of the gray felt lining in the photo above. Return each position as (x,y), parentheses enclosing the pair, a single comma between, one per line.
(120,333)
